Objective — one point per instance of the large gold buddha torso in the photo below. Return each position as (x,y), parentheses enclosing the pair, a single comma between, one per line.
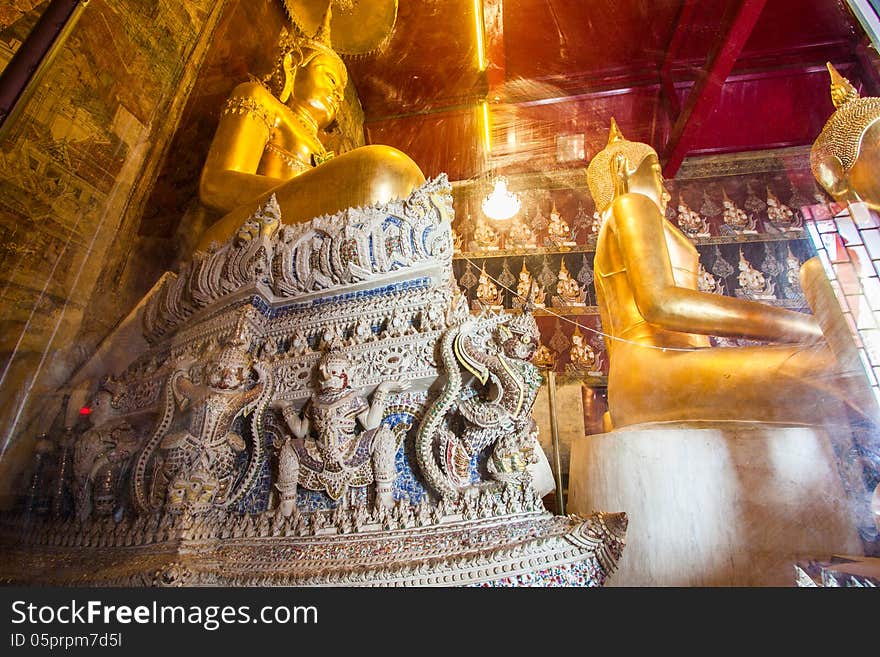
(291,145)
(620,314)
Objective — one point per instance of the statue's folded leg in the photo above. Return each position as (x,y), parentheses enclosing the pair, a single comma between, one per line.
(792,384)
(361,177)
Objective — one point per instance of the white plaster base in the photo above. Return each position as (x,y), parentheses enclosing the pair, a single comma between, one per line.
(715,504)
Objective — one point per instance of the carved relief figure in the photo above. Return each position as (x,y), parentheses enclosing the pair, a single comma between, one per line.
(486,237)
(101,459)
(691,222)
(195,464)
(498,352)
(706,282)
(488,293)
(520,235)
(735,218)
(558,231)
(525,289)
(782,216)
(583,357)
(333,453)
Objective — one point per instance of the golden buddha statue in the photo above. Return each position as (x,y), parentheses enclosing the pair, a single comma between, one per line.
(569,290)
(662,367)
(845,158)
(267,143)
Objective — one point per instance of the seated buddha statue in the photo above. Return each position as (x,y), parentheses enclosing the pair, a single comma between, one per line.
(662,367)
(267,143)
(845,158)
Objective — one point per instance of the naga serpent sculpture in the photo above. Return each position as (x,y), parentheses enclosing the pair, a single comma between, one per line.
(497,351)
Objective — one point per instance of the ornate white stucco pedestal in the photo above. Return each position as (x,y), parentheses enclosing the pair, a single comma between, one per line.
(715,504)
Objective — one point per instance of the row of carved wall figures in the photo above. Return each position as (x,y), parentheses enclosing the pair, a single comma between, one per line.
(764,271)
(535,227)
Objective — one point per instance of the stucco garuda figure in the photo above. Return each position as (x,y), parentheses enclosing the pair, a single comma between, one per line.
(319,388)
(659,322)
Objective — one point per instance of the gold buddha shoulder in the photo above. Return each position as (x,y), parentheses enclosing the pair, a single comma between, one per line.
(267,143)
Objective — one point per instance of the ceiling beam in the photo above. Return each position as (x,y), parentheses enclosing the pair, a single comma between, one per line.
(706,92)
(667,85)
(496,69)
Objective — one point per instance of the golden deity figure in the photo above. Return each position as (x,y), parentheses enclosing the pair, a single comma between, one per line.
(569,290)
(267,142)
(583,357)
(736,218)
(691,222)
(752,283)
(486,237)
(662,367)
(524,288)
(782,216)
(558,229)
(520,235)
(544,358)
(845,158)
(706,282)
(488,293)
(792,280)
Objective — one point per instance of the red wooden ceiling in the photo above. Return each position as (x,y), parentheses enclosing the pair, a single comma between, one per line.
(590,60)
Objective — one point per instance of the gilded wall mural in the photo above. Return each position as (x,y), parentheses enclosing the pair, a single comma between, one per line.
(17,19)
(68,170)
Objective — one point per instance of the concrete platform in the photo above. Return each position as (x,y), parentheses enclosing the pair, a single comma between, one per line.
(722,504)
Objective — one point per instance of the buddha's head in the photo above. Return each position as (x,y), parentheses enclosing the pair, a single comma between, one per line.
(625,166)
(846,156)
(309,73)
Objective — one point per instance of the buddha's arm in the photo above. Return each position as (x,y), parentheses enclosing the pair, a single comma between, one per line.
(642,242)
(229,177)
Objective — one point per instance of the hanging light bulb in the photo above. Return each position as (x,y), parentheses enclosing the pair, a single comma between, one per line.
(501,204)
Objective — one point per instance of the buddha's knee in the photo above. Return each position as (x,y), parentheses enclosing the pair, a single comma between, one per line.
(387,172)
